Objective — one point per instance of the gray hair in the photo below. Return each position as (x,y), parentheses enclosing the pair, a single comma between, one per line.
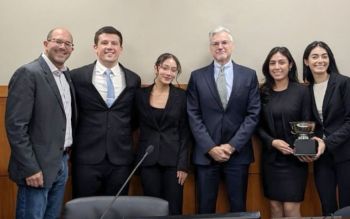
(220,29)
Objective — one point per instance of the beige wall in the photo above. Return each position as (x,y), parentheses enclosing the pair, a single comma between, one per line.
(151,27)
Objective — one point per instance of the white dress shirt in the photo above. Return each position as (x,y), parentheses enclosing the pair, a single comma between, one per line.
(64,90)
(100,83)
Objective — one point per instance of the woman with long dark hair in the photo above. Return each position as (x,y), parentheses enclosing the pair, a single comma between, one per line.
(163,124)
(330,92)
(284,100)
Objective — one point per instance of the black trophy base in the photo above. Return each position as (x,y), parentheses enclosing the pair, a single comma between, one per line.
(305,147)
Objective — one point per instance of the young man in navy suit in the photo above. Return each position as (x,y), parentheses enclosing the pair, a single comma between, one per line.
(102,153)
(223,106)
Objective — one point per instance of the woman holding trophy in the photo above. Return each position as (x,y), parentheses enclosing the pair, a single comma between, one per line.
(330,92)
(284,100)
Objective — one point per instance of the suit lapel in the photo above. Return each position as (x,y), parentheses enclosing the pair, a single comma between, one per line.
(146,102)
(127,83)
(171,102)
(235,84)
(88,79)
(73,96)
(127,80)
(329,93)
(210,80)
(51,81)
(314,109)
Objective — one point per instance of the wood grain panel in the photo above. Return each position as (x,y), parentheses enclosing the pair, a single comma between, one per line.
(8,192)
(311,205)
(4,145)
(3,91)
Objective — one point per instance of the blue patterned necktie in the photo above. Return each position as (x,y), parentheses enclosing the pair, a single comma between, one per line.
(110,88)
(221,85)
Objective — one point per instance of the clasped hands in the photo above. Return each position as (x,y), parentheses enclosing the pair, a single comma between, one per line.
(221,153)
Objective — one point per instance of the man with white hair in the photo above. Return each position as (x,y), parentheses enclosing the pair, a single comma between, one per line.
(223,105)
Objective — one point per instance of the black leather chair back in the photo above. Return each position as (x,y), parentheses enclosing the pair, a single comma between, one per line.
(344,212)
(124,206)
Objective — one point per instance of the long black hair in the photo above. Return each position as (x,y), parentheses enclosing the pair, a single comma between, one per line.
(332,68)
(267,86)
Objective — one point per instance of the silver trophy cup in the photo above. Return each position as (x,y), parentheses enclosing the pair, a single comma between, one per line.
(303,145)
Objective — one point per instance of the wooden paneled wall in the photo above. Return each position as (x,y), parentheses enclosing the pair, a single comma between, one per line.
(255,198)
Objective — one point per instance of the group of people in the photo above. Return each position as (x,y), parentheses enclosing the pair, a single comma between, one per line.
(327,102)
(88,115)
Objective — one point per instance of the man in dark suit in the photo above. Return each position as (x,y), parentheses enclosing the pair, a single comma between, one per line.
(39,119)
(102,154)
(223,105)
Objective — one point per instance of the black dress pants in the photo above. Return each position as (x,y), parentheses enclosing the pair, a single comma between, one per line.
(160,181)
(99,179)
(328,176)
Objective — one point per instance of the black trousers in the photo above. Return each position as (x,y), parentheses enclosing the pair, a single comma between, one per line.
(328,176)
(99,179)
(159,181)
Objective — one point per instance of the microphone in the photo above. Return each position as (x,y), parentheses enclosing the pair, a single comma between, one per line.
(149,150)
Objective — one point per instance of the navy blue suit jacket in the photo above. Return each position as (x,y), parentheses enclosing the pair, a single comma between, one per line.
(212,125)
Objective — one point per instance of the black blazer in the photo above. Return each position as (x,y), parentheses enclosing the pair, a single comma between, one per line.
(36,122)
(171,137)
(101,130)
(336,117)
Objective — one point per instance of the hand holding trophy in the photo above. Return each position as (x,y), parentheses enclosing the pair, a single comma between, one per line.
(304,145)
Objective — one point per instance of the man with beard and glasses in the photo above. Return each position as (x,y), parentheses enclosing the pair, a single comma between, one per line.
(40,115)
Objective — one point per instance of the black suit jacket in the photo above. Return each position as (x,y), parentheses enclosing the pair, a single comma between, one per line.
(101,130)
(336,117)
(171,136)
(36,122)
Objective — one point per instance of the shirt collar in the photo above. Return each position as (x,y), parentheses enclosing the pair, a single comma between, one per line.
(226,66)
(100,69)
(52,67)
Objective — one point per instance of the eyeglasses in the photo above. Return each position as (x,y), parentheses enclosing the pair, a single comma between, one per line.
(223,43)
(168,68)
(59,42)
